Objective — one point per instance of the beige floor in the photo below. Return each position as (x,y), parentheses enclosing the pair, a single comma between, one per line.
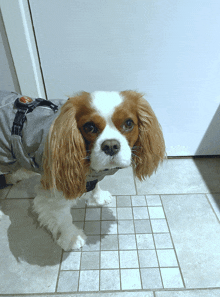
(158,238)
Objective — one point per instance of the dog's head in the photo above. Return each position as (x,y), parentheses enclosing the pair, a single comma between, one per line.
(98,131)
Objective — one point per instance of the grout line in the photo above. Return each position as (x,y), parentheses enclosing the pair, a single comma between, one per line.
(100,250)
(155,249)
(119,266)
(137,251)
(159,194)
(210,204)
(81,250)
(59,271)
(132,268)
(173,245)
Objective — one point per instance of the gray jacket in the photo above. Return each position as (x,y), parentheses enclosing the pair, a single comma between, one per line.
(27,150)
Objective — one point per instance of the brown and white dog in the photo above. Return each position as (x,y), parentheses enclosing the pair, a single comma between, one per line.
(94,132)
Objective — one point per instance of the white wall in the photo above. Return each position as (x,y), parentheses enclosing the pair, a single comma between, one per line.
(8,77)
(169,49)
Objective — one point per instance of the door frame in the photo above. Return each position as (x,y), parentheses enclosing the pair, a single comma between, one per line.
(21,38)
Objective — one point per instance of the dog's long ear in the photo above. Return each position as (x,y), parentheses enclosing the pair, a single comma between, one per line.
(149,149)
(64,161)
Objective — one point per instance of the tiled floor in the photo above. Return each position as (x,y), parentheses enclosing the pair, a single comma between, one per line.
(158,238)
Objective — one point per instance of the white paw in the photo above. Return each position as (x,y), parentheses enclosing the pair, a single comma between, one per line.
(100,198)
(71,240)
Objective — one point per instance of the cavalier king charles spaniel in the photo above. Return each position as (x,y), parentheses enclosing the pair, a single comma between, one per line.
(93,134)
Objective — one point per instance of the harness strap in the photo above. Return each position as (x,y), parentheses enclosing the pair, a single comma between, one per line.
(25,105)
(90,185)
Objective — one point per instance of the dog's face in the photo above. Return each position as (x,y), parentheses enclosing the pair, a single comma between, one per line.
(101,130)
(109,126)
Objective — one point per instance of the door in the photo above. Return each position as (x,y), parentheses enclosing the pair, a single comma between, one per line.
(166,49)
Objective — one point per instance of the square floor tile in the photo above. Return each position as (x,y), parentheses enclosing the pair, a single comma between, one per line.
(128,259)
(109,214)
(71,261)
(171,278)
(92,228)
(163,241)
(93,243)
(90,260)
(148,258)
(93,214)
(109,242)
(159,226)
(130,279)
(167,258)
(196,234)
(124,213)
(140,213)
(109,227)
(142,226)
(126,227)
(153,200)
(109,280)
(167,179)
(89,280)
(123,201)
(79,225)
(151,278)
(127,242)
(145,241)
(156,212)
(68,281)
(78,214)
(109,260)
(138,201)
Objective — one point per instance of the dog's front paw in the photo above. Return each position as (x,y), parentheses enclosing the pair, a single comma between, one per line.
(100,198)
(71,240)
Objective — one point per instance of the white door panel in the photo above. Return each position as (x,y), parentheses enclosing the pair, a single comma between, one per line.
(166,49)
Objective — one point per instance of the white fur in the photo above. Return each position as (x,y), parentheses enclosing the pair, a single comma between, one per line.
(105,103)
(54,214)
(99,197)
(100,161)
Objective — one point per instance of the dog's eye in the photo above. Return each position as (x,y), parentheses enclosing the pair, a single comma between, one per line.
(90,127)
(128,125)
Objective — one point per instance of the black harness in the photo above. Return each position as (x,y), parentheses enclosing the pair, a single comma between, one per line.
(25,105)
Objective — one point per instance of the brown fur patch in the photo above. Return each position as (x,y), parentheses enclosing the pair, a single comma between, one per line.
(149,148)
(65,159)
(127,110)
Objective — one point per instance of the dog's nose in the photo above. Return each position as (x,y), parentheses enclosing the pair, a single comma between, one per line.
(110,147)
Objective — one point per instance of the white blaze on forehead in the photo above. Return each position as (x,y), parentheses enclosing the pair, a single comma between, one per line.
(105,102)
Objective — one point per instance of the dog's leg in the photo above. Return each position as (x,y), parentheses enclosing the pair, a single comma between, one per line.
(54,213)
(19,175)
(99,197)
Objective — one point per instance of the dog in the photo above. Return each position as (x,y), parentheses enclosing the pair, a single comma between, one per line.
(79,142)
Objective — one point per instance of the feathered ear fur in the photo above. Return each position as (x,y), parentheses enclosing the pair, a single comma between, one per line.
(149,149)
(64,161)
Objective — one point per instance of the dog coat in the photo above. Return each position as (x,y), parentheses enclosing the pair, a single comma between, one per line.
(24,125)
